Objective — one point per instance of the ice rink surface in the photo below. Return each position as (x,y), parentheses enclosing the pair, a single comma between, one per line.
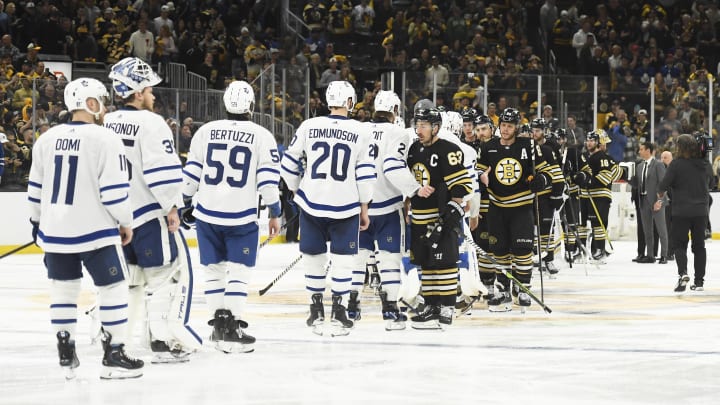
(617,334)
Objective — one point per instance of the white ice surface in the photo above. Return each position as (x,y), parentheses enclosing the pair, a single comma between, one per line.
(617,335)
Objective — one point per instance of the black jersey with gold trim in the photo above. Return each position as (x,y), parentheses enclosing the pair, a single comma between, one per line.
(510,168)
(439,165)
(603,170)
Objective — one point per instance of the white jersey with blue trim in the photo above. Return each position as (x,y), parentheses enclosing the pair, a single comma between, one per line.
(389,146)
(155,168)
(469,158)
(78,188)
(228,163)
(340,173)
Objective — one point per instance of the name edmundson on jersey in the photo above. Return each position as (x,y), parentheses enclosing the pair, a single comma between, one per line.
(231,135)
(339,134)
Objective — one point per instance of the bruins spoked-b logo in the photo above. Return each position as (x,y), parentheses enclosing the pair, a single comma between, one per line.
(508,171)
(422,174)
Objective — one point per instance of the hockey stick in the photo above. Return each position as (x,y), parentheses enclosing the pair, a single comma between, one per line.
(282,228)
(536,205)
(597,213)
(17,249)
(282,273)
(507,274)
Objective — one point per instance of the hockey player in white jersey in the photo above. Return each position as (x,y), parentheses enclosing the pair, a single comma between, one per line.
(158,258)
(389,145)
(229,161)
(78,193)
(333,196)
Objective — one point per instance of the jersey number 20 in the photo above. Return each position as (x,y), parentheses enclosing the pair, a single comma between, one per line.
(338,164)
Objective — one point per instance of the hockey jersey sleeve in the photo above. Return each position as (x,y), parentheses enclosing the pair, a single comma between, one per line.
(268,170)
(162,169)
(365,175)
(193,169)
(291,167)
(394,166)
(548,164)
(113,181)
(35,180)
(609,171)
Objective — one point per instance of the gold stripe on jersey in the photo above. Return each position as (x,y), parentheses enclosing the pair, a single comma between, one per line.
(424,216)
(484,205)
(601,192)
(441,282)
(516,200)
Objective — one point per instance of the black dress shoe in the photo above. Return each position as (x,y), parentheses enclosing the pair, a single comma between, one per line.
(637,258)
(671,257)
(662,260)
(646,259)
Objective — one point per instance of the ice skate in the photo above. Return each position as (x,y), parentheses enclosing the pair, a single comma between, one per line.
(464,304)
(697,288)
(552,269)
(445,317)
(394,319)
(500,301)
(339,322)
(682,283)
(116,363)
(165,354)
(427,318)
(353,308)
(235,339)
(317,314)
(68,357)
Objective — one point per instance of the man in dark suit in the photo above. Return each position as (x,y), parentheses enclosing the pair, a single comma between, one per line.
(652,210)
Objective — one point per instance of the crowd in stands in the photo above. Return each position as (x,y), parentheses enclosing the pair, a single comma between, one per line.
(445,47)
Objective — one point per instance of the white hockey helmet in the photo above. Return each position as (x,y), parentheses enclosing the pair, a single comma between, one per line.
(79,90)
(338,92)
(387,101)
(239,98)
(132,75)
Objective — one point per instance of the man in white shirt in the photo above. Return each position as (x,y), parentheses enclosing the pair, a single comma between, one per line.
(142,42)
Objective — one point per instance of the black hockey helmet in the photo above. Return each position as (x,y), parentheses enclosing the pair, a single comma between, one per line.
(525,129)
(594,136)
(559,133)
(538,123)
(468,114)
(425,110)
(553,124)
(510,115)
(483,119)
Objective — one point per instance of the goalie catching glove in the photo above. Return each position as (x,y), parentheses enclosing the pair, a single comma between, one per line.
(451,217)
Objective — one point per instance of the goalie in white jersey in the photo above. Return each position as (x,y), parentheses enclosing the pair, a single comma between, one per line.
(389,145)
(228,163)
(78,193)
(158,257)
(333,196)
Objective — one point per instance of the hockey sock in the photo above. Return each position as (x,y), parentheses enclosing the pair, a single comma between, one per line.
(63,305)
(236,288)
(390,265)
(315,274)
(215,286)
(341,273)
(114,310)
(358,269)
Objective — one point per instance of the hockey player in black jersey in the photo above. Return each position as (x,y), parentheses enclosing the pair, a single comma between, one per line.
(513,171)
(436,219)
(547,203)
(570,159)
(597,173)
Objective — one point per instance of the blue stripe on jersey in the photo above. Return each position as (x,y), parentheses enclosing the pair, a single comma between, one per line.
(365,165)
(366,177)
(63,305)
(197,179)
(386,203)
(326,207)
(63,321)
(33,184)
(129,142)
(193,163)
(114,186)
(393,159)
(142,210)
(290,171)
(268,169)
(270,182)
(292,159)
(393,168)
(119,200)
(162,183)
(162,168)
(111,307)
(113,323)
(228,215)
(34,200)
(72,240)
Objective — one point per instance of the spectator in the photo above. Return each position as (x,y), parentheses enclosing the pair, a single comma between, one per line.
(436,75)
(330,74)
(362,17)
(142,42)
(575,134)
(162,20)
(7,48)
(616,148)
(24,94)
(689,117)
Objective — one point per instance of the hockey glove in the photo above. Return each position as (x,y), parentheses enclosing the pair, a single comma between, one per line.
(581,179)
(453,215)
(35,230)
(537,183)
(187,219)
